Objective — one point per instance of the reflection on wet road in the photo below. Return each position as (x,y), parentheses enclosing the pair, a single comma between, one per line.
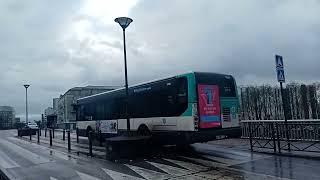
(28,160)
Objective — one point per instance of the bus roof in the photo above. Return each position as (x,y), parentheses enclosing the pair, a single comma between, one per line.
(84,99)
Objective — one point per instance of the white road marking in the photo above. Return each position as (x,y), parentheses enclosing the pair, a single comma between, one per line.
(24,153)
(6,162)
(187,165)
(205,162)
(170,169)
(84,176)
(149,174)
(52,178)
(120,176)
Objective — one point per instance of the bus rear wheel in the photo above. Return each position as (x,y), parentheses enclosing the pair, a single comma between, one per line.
(143,130)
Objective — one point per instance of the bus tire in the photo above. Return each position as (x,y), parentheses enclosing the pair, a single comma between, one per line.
(143,130)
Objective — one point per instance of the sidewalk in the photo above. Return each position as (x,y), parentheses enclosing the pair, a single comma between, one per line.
(244,144)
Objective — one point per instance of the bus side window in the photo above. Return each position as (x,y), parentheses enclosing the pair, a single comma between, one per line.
(89,112)
(181,96)
(182,89)
(80,113)
(100,111)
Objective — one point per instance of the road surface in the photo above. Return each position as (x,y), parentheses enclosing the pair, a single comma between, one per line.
(22,159)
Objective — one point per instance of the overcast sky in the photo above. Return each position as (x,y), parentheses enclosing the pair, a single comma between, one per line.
(56,45)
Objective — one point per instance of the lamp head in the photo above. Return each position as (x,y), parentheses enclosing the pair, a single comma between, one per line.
(123,22)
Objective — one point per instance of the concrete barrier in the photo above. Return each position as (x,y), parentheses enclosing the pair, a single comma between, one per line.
(126,146)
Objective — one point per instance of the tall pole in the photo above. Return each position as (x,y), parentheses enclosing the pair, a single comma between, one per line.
(126,78)
(285,116)
(27,105)
(26,86)
(124,23)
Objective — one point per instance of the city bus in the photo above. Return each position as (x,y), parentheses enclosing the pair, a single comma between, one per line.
(187,108)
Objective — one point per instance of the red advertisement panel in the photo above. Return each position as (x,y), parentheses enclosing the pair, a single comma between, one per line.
(209,106)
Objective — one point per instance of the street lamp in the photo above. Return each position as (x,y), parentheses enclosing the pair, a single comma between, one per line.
(124,23)
(26,86)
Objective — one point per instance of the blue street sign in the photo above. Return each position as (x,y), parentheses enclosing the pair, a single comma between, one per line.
(279,61)
(280,75)
(280,68)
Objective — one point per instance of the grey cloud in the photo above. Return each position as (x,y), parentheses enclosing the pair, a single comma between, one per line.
(165,38)
(240,38)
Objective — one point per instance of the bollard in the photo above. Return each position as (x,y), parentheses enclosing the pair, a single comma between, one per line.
(30,134)
(273,138)
(63,135)
(278,138)
(38,135)
(100,138)
(45,132)
(69,142)
(50,134)
(90,143)
(250,137)
(40,131)
(77,131)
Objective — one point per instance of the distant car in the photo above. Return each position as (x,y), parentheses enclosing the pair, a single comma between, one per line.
(32,125)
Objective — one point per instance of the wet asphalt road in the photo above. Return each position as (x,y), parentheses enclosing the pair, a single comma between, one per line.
(22,159)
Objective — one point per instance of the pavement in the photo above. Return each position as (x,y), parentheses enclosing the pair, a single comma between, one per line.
(23,159)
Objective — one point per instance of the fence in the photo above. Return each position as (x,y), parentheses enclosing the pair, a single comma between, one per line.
(299,135)
(63,139)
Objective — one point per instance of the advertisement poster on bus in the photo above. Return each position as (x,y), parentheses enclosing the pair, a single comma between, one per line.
(209,106)
(109,126)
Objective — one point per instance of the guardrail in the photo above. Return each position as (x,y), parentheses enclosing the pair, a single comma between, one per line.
(300,135)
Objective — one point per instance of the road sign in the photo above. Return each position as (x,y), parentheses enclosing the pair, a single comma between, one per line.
(280,75)
(280,68)
(279,61)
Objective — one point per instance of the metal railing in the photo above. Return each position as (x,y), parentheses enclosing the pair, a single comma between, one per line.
(304,135)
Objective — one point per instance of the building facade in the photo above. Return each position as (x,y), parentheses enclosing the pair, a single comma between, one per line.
(55,102)
(65,105)
(7,117)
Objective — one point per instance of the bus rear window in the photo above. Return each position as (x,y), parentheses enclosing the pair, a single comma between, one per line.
(225,82)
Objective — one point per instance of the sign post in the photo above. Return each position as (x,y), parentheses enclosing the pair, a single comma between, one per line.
(281,79)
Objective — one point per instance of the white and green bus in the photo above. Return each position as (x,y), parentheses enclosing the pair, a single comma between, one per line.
(187,108)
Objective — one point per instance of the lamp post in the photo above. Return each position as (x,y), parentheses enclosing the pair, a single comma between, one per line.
(26,86)
(124,23)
